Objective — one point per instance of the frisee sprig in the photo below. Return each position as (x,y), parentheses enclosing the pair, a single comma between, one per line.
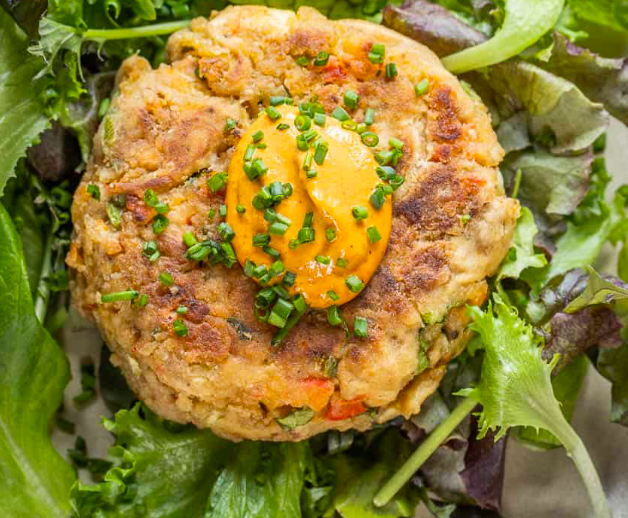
(515,389)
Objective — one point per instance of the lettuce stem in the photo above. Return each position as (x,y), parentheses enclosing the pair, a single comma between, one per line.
(424,451)
(577,451)
(43,288)
(158,29)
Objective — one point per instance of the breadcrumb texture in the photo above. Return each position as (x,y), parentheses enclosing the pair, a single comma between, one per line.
(165,130)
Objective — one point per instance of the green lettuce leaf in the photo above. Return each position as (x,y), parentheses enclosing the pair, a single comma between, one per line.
(566,385)
(516,389)
(593,224)
(598,291)
(158,471)
(522,254)
(22,117)
(605,13)
(34,479)
(359,478)
(525,22)
(602,80)
(262,480)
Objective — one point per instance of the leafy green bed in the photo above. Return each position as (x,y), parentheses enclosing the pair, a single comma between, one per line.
(550,72)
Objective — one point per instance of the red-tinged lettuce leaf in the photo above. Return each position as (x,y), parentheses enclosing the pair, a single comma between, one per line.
(432,25)
(464,469)
(613,365)
(34,479)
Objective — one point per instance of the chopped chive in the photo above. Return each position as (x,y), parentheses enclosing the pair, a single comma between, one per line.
(270,215)
(259,271)
(248,268)
(391,70)
(373,234)
(307,160)
(283,126)
(277,268)
(277,100)
(306,235)
(118,296)
(384,157)
(265,297)
(321,152)
(308,219)
(333,316)
(396,143)
(230,124)
(303,122)
(319,119)
(311,174)
(281,291)
(180,328)
(377,53)
(261,145)
(160,222)
(350,125)
(360,212)
(229,256)
(369,139)
(305,109)
(94,191)
(340,114)
(369,116)
(323,259)
(361,128)
(273,113)
(217,181)
(422,87)
(271,251)
(354,283)
(289,278)
(283,219)
(166,278)
(385,172)
(351,99)
(189,239)
(211,213)
(280,312)
(341,262)
(278,228)
(321,59)
(248,154)
(333,295)
(150,250)
(182,310)
(360,327)
(309,135)
(377,198)
(261,240)
(139,302)
(222,211)
(226,232)
(302,144)
(330,234)
(257,136)
(302,61)
(115,216)
(240,209)
(299,304)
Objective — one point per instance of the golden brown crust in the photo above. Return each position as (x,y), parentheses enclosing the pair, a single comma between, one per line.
(165,129)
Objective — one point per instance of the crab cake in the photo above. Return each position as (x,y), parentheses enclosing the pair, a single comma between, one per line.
(157,269)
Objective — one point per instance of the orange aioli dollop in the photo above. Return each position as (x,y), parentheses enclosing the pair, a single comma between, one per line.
(346,179)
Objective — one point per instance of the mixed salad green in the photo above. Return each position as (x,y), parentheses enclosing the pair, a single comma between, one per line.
(550,72)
